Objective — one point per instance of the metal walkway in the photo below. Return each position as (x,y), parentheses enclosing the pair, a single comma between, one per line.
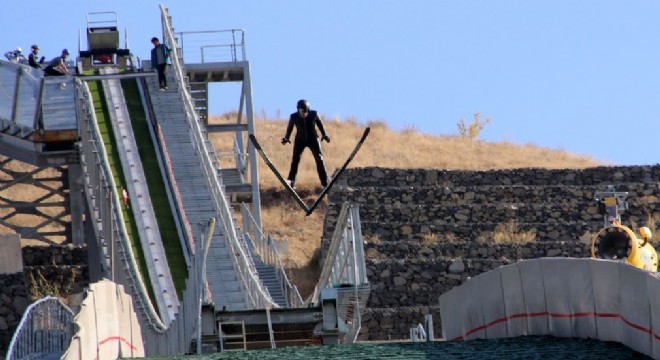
(195,194)
(38,119)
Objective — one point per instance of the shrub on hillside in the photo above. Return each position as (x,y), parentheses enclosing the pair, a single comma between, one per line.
(472,130)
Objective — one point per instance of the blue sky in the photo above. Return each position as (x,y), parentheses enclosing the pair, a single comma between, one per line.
(581,76)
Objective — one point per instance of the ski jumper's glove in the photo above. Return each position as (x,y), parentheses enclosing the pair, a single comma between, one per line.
(285,141)
(326,138)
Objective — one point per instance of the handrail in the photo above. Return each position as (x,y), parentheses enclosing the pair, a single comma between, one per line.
(135,279)
(291,291)
(334,248)
(232,44)
(157,133)
(270,255)
(358,258)
(148,232)
(240,160)
(19,350)
(253,288)
(345,269)
(340,268)
(114,21)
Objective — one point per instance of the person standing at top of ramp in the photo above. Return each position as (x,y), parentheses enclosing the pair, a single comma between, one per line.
(159,55)
(306,120)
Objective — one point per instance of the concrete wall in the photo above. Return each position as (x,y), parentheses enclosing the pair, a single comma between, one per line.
(107,325)
(583,298)
(10,254)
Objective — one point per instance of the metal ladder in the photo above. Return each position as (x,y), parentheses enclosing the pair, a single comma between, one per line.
(232,325)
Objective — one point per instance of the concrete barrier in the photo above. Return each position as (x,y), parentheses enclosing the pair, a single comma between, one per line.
(107,325)
(11,259)
(563,297)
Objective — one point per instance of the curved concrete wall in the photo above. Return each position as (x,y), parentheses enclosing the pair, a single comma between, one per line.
(563,297)
(107,325)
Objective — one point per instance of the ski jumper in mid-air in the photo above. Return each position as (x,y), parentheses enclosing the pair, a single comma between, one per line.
(305,121)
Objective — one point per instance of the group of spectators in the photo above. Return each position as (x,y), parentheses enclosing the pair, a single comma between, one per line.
(56,67)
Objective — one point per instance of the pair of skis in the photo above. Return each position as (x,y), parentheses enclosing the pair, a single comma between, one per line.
(308,209)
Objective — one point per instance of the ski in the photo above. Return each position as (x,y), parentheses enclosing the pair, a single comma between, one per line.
(338,172)
(277,174)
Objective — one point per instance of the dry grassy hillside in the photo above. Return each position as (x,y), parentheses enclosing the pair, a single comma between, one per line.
(401,149)
(384,148)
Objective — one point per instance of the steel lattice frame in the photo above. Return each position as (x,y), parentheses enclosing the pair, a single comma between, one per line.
(34,202)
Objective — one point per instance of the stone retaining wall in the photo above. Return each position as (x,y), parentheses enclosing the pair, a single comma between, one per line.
(14,299)
(604,175)
(388,323)
(407,214)
(474,250)
(54,255)
(52,270)
(464,209)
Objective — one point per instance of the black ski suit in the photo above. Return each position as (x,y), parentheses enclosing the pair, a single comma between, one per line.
(306,136)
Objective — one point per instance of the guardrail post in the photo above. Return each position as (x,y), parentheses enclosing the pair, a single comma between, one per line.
(17,89)
(37,123)
(76,203)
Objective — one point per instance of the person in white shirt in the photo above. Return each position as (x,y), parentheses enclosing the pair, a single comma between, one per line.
(16,56)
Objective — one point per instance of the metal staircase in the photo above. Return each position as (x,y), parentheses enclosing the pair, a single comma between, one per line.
(268,275)
(215,65)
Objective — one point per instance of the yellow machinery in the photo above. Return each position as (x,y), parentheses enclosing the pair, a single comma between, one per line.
(618,242)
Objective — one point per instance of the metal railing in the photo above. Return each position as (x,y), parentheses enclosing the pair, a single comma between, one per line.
(212,45)
(240,157)
(345,270)
(103,197)
(106,18)
(183,224)
(45,331)
(141,210)
(345,263)
(21,90)
(254,292)
(267,250)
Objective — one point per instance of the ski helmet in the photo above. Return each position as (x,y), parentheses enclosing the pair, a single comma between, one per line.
(303,105)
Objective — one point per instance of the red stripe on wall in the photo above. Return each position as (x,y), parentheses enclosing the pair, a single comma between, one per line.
(556,315)
(118,338)
(115,338)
